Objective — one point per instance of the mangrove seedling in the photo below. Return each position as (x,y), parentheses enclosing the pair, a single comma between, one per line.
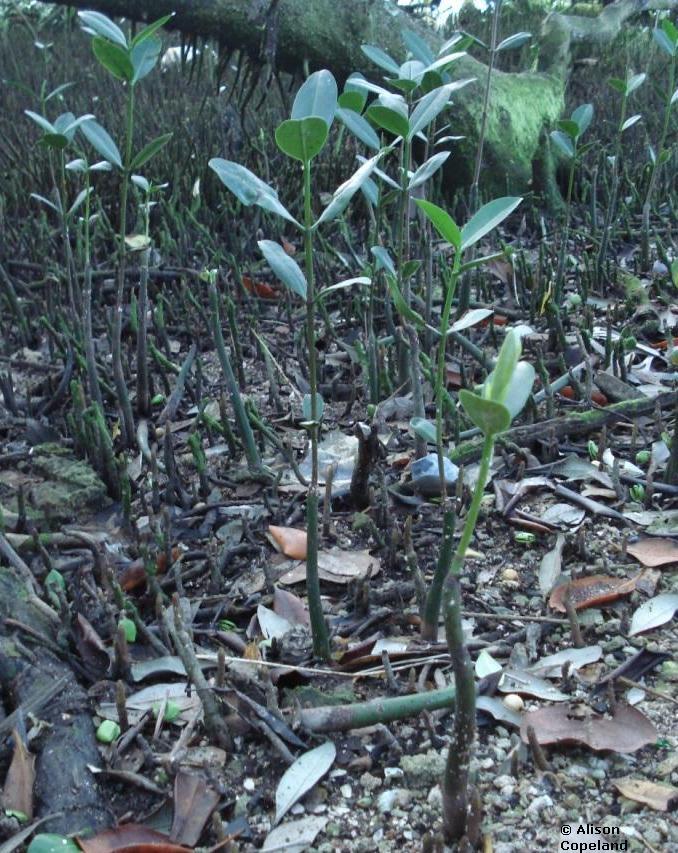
(129,61)
(566,140)
(491,409)
(302,138)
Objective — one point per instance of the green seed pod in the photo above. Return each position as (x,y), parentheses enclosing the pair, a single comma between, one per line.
(129,628)
(108,731)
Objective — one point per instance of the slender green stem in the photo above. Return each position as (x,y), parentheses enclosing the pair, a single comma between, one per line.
(560,274)
(402,229)
(126,414)
(645,228)
(244,428)
(71,278)
(143,380)
(431,612)
(473,202)
(321,642)
(455,781)
(612,203)
(474,509)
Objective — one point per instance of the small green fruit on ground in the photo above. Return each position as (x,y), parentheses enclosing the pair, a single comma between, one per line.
(108,731)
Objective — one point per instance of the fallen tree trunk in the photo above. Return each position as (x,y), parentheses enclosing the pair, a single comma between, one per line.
(294,34)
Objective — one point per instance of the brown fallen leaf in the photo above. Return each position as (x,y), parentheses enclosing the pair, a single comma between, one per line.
(134,575)
(290,607)
(130,838)
(17,794)
(652,551)
(289,541)
(652,794)
(194,802)
(336,566)
(259,288)
(626,731)
(591,591)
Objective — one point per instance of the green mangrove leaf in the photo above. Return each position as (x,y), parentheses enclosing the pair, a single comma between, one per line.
(487,218)
(571,128)
(430,81)
(519,388)
(402,307)
(352,100)
(664,41)
(424,429)
(67,124)
(497,383)
(77,165)
(380,58)
(671,30)
(342,285)
(79,199)
(58,91)
(384,260)
(115,59)
(148,31)
(383,176)
(141,182)
(343,194)
(302,139)
(56,141)
(150,150)
(144,56)
(428,169)
(248,188)
(389,119)
(630,121)
(285,267)
(445,61)
(515,41)
(410,268)
(409,76)
(430,106)
(618,85)
(317,98)
(563,143)
(634,82)
(442,221)
(358,126)
(360,83)
(102,142)
(45,201)
(41,121)
(583,116)
(97,24)
(370,192)
(490,417)
(417,47)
